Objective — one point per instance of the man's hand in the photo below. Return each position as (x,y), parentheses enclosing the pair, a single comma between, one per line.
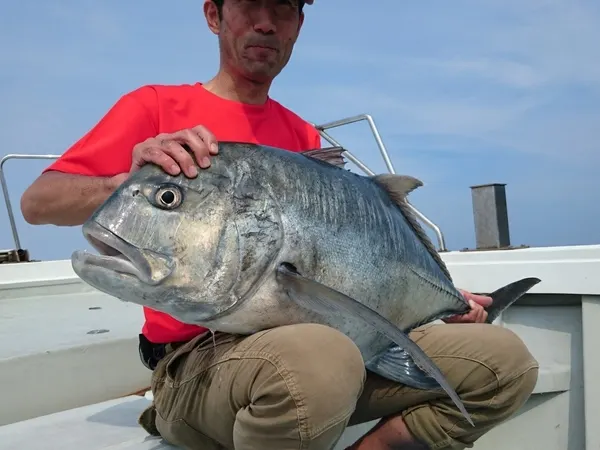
(477,314)
(168,152)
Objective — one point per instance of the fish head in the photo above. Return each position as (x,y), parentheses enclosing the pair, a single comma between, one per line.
(175,244)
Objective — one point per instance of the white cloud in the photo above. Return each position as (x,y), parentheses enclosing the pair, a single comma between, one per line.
(557,37)
(509,73)
(512,74)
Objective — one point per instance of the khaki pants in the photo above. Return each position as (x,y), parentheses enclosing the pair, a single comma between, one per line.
(299,386)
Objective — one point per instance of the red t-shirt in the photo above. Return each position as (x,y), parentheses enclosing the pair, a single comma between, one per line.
(150,110)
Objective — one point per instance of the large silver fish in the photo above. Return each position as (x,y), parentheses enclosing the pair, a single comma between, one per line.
(267,237)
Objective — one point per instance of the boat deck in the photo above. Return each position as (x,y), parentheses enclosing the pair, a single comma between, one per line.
(64,344)
(102,426)
(107,425)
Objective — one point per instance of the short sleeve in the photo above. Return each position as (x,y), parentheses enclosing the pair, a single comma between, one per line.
(316,138)
(106,149)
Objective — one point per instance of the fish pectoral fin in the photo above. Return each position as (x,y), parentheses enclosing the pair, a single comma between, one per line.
(307,293)
(397,365)
(322,299)
(330,155)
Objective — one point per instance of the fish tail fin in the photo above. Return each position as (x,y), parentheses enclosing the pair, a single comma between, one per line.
(507,295)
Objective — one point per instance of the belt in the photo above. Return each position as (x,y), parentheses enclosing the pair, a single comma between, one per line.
(151,353)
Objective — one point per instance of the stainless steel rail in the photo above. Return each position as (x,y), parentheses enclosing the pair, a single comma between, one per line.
(9,209)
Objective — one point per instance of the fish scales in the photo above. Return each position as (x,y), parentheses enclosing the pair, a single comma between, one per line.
(324,220)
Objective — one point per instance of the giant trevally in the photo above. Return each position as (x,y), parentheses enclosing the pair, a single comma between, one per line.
(266,237)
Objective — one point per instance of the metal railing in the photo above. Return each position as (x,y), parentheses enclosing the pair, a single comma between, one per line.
(322,130)
(9,209)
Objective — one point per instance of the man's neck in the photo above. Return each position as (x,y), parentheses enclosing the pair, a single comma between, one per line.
(238,89)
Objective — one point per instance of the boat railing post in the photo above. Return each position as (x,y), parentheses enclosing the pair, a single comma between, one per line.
(9,209)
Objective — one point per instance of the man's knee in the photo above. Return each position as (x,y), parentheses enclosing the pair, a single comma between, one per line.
(323,369)
(505,352)
(515,367)
(321,358)
(273,388)
(501,375)
(493,372)
(490,366)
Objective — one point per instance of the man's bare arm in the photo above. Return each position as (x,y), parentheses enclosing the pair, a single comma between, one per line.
(63,199)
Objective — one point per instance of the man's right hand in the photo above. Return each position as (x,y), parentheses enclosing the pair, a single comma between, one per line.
(167,151)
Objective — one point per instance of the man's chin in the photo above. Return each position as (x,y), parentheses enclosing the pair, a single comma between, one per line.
(260,75)
(259,69)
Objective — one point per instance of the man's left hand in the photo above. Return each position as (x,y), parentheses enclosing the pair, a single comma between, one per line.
(477,314)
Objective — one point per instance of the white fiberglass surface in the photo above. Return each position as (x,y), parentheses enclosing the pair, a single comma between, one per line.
(45,322)
(108,425)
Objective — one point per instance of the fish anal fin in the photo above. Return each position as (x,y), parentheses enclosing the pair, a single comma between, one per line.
(397,365)
(322,299)
(330,155)
(398,187)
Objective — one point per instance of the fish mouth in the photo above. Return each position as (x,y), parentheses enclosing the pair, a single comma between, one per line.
(118,255)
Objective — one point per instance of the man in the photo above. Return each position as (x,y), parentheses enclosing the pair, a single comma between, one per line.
(294,387)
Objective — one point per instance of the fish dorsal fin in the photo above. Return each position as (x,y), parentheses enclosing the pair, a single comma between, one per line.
(331,155)
(398,187)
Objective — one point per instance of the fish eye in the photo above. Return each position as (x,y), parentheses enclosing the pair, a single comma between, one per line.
(168,197)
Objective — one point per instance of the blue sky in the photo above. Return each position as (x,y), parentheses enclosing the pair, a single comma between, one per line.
(464,92)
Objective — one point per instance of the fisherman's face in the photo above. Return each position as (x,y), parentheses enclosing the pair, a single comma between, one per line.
(256,37)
